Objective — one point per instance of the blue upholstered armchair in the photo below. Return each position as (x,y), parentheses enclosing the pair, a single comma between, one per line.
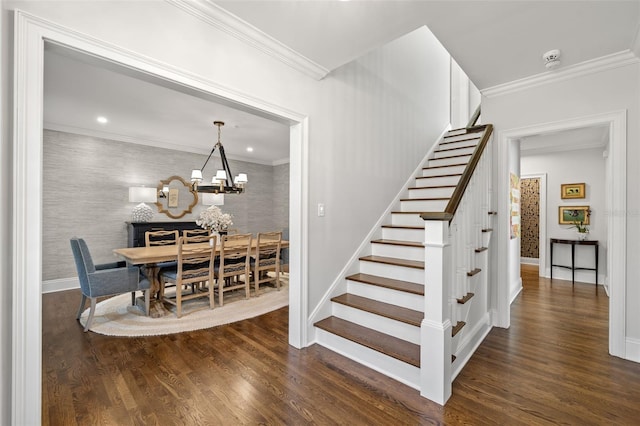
(105,280)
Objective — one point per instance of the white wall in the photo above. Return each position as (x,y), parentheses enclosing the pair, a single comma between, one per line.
(366,133)
(586,166)
(5,220)
(582,96)
(515,282)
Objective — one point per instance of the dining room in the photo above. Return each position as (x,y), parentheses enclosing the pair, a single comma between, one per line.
(108,134)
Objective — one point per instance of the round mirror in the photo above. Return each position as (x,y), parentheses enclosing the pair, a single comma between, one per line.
(176,197)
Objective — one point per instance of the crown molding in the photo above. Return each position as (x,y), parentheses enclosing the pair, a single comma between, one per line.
(615,60)
(155,143)
(221,19)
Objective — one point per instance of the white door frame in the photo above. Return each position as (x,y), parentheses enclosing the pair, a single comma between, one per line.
(542,220)
(30,34)
(616,205)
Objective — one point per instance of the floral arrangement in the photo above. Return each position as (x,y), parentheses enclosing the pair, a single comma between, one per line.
(214,220)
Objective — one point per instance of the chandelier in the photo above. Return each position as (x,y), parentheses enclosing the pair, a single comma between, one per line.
(221,182)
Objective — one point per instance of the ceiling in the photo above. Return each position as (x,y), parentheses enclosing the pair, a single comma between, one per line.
(148,111)
(495,42)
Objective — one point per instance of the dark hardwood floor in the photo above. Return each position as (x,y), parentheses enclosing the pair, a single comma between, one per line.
(550,367)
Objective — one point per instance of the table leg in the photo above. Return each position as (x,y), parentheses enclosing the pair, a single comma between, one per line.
(157,309)
(573,265)
(596,246)
(551,260)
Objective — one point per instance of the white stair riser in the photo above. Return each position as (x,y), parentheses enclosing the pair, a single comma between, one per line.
(455,132)
(400,219)
(396,369)
(423,205)
(399,252)
(460,135)
(379,323)
(437,181)
(387,295)
(404,234)
(448,161)
(450,151)
(442,171)
(458,144)
(431,192)
(395,272)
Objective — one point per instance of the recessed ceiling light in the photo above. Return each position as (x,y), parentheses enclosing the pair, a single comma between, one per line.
(102,120)
(249,149)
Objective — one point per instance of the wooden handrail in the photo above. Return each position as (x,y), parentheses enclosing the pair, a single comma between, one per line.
(474,118)
(456,197)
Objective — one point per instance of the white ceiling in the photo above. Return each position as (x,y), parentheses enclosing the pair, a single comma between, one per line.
(78,89)
(495,42)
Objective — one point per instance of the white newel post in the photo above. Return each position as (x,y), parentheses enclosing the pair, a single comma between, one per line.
(435,331)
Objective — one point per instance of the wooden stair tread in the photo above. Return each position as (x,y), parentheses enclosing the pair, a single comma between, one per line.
(487,230)
(403,226)
(426,199)
(398,212)
(451,156)
(474,272)
(456,328)
(387,310)
(465,299)
(467,130)
(388,345)
(446,142)
(453,149)
(394,261)
(481,249)
(432,187)
(405,286)
(399,242)
(446,165)
(439,176)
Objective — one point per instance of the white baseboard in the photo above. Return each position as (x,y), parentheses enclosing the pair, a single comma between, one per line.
(530,260)
(632,350)
(61,284)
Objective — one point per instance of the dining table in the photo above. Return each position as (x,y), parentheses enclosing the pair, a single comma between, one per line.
(150,257)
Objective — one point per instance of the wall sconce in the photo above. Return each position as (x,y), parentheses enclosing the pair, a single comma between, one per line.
(164,193)
(142,195)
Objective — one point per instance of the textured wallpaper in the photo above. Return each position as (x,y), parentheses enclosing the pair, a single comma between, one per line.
(86,184)
(530,211)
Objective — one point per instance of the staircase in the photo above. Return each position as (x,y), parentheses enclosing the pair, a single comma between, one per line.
(378,321)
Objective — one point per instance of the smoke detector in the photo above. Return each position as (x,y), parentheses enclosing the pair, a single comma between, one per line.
(551,59)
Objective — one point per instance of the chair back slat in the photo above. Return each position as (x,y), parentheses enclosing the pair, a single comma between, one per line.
(161,238)
(195,232)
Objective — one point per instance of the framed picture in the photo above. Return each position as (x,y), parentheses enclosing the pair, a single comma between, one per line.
(569,214)
(572,190)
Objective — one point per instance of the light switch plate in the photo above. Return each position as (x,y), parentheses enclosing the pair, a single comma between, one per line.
(320,209)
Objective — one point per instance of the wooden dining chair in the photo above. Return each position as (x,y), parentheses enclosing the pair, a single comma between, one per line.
(267,259)
(235,261)
(195,269)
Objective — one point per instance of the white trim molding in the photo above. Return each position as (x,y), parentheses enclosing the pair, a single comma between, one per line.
(616,188)
(31,32)
(615,60)
(218,17)
(60,284)
(541,261)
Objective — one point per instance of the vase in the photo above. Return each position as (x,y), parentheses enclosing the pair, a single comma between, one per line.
(582,236)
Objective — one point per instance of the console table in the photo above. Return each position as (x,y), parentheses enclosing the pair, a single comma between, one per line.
(573,268)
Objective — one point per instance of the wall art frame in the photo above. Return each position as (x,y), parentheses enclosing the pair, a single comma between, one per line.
(572,190)
(567,215)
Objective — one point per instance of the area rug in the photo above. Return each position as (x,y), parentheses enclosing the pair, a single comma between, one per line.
(117,317)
